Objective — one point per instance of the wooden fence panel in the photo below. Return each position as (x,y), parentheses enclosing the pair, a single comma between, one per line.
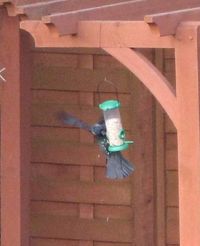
(69,192)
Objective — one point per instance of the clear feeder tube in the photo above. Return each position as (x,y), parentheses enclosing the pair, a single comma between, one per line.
(113,126)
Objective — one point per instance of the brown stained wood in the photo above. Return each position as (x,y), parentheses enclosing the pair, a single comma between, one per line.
(113,212)
(65,15)
(114,34)
(63,227)
(188,99)
(18,2)
(143,159)
(171,155)
(55,208)
(72,51)
(67,153)
(51,110)
(172,188)
(53,96)
(172,226)
(85,61)
(55,134)
(49,37)
(169,21)
(85,243)
(171,77)
(66,79)
(86,211)
(169,126)
(62,172)
(36,11)
(160,161)
(52,58)
(82,192)
(15,138)
(169,66)
(67,23)
(150,76)
(124,10)
(111,244)
(105,62)
(169,54)
(108,37)
(52,242)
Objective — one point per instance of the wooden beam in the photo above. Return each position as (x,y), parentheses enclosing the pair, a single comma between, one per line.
(15,147)
(100,34)
(67,23)
(123,34)
(188,101)
(39,9)
(150,76)
(169,21)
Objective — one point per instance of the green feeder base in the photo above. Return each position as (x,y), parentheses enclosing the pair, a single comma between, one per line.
(124,146)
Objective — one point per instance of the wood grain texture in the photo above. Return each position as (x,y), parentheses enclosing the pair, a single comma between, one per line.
(51,110)
(67,153)
(172,188)
(160,161)
(143,182)
(55,208)
(188,98)
(172,226)
(15,137)
(86,211)
(62,78)
(52,242)
(60,153)
(82,192)
(171,152)
(63,227)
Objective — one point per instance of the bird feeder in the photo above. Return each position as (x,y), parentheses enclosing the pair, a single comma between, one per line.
(114,130)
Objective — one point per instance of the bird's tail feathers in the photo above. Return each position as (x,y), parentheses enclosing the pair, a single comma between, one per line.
(117,166)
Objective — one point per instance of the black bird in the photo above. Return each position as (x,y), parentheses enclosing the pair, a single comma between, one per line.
(117,166)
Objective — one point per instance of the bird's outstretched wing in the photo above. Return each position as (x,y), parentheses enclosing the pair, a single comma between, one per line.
(71,120)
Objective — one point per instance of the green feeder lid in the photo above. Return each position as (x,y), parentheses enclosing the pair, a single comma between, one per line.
(109,104)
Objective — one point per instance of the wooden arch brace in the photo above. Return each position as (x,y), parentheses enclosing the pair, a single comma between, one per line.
(150,76)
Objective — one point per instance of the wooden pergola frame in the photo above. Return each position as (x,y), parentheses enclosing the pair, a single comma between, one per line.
(119,39)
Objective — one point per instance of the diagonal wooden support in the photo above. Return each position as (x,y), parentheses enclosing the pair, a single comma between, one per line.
(150,76)
(188,102)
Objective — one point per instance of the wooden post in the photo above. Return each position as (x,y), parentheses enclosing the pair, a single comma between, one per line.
(15,147)
(143,181)
(188,99)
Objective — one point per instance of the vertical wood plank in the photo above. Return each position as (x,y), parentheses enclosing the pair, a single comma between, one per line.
(15,147)
(143,180)
(160,164)
(86,61)
(86,172)
(188,99)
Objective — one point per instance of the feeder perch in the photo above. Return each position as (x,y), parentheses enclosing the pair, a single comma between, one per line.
(114,130)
